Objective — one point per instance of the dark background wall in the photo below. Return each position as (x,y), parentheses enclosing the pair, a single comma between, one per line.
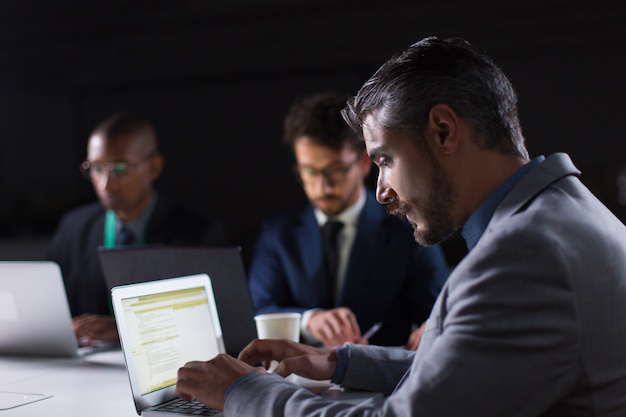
(218,77)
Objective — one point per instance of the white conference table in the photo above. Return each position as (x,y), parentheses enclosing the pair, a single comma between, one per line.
(96,386)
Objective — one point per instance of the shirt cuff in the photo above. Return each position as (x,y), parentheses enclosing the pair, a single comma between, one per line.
(307,337)
(237,382)
(343,355)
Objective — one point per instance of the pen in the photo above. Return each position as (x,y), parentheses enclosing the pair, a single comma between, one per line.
(376,327)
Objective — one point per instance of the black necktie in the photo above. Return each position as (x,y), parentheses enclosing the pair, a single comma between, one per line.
(125,237)
(330,231)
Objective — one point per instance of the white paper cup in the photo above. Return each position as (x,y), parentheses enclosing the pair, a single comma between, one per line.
(278,326)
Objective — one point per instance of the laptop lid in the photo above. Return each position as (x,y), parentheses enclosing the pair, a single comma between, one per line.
(34,312)
(163,325)
(129,265)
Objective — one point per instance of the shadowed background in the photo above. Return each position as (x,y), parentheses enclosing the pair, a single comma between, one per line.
(218,77)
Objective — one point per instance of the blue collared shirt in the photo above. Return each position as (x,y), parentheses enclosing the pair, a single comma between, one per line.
(138,226)
(471,232)
(478,221)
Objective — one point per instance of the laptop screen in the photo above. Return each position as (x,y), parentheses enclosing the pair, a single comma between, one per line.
(34,315)
(129,265)
(165,330)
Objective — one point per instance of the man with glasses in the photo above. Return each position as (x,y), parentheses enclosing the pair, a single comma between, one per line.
(341,261)
(123,161)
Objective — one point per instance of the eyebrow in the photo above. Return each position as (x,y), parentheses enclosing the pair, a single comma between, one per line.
(314,167)
(374,153)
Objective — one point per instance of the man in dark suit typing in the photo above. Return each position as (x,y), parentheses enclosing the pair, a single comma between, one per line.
(368,269)
(123,161)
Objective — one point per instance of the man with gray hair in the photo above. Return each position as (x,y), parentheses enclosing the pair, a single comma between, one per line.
(532,322)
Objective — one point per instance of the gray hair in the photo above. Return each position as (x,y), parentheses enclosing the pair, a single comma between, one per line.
(451,72)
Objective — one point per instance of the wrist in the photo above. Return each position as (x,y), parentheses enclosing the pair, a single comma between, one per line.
(305,332)
(341,356)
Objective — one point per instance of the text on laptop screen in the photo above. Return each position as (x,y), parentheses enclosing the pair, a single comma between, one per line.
(167,330)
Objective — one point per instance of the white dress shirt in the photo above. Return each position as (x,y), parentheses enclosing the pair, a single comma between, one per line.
(350,218)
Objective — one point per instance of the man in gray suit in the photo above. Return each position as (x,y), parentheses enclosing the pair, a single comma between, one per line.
(532,322)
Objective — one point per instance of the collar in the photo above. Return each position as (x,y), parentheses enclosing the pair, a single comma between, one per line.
(478,221)
(139,225)
(348,216)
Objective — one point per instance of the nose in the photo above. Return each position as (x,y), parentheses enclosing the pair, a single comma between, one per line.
(323,183)
(384,193)
(105,181)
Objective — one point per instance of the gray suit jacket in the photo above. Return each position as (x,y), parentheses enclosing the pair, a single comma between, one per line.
(531,323)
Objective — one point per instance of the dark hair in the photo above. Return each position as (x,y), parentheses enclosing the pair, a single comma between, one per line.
(434,71)
(319,118)
(123,124)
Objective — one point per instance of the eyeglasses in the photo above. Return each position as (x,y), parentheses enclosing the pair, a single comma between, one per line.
(332,174)
(117,170)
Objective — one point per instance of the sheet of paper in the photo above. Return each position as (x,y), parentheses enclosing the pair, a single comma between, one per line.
(10,400)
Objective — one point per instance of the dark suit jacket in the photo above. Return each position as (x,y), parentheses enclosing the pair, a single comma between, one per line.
(389,277)
(81,231)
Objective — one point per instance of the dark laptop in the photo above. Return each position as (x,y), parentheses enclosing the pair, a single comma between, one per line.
(130,265)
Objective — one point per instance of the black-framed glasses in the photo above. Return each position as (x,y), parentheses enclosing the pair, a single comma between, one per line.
(117,170)
(334,174)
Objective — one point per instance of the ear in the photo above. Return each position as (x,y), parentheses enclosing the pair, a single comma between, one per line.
(156,166)
(443,122)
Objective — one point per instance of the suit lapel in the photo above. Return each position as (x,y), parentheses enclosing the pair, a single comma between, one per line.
(159,224)
(554,168)
(97,232)
(366,248)
(309,247)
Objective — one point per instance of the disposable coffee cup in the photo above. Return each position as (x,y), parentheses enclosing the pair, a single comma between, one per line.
(278,326)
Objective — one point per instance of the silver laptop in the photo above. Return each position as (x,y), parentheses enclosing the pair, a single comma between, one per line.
(163,325)
(34,313)
(166,323)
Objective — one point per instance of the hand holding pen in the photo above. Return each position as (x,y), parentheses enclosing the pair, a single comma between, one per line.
(368,334)
(334,327)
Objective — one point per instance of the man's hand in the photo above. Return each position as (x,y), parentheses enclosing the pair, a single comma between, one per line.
(94,329)
(307,361)
(335,327)
(415,337)
(208,381)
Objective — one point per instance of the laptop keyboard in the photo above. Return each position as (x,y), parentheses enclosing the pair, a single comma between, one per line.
(191,408)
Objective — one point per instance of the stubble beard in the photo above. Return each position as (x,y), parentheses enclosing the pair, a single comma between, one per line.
(342,203)
(333,211)
(436,222)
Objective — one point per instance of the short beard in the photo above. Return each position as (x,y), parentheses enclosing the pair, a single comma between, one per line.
(399,208)
(438,223)
(341,207)
(343,203)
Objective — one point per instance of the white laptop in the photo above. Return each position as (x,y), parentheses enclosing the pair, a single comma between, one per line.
(164,324)
(34,313)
